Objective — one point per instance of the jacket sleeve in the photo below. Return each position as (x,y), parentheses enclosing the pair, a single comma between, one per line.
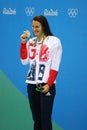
(56,59)
(24,54)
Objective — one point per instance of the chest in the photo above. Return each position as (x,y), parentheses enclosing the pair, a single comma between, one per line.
(40,52)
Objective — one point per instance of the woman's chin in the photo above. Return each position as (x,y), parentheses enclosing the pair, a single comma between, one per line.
(35,34)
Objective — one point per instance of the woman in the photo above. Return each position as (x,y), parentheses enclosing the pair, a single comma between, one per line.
(43,53)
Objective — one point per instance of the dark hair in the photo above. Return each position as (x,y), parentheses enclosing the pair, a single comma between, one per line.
(44,24)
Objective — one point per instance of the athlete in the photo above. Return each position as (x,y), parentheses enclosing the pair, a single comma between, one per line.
(43,53)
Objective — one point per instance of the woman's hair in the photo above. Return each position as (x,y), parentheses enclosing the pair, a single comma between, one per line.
(41,19)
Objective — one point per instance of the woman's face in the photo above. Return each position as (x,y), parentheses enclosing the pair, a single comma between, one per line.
(37,28)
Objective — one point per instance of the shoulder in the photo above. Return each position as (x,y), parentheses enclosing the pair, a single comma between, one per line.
(55,41)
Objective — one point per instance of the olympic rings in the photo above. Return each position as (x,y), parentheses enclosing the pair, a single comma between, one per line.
(29,11)
(72,12)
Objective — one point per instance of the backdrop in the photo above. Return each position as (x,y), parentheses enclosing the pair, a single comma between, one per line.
(68,21)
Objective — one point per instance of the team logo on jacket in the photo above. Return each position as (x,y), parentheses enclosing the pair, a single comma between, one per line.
(44,53)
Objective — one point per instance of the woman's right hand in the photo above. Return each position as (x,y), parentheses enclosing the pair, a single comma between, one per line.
(25,36)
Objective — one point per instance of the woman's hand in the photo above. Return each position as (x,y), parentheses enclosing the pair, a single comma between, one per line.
(45,88)
(25,36)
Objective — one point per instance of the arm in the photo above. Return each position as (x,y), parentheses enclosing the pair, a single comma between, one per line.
(23,50)
(56,59)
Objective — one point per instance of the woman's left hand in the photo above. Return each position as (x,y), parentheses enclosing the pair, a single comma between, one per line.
(45,88)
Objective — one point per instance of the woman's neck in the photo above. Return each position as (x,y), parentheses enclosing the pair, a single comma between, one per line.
(41,38)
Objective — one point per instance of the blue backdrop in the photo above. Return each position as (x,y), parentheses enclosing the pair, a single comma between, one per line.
(68,21)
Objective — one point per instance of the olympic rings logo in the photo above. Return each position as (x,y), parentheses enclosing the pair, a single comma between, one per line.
(29,11)
(72,12)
